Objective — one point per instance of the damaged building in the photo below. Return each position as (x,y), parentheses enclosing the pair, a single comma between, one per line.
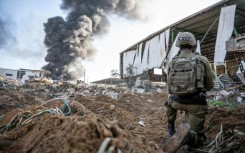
(23,75)
(220,33)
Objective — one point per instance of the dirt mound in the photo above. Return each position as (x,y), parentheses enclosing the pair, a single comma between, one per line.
(228,119)
(46,132)
(129,111)
(53,133)
(134,122)
(226,130)
(20,98)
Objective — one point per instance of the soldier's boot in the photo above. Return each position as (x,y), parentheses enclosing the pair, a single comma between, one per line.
(171,129)
(195,139)
(181,137)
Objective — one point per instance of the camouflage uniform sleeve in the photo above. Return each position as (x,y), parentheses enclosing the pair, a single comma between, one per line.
(209,83)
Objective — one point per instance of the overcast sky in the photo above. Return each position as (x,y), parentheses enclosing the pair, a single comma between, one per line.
(23,20)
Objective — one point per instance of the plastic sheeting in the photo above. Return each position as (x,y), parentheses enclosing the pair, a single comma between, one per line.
(225,29)
(128,59)
(148,55)
(198,50)
(173,51)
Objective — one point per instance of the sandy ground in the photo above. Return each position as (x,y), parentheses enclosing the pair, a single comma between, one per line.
(98,123)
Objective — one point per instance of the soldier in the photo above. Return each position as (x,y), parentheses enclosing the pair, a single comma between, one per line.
(189,76)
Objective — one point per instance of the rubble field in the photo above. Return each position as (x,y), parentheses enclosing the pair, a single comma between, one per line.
(44,118)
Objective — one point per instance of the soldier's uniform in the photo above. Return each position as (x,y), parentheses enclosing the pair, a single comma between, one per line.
(194,106)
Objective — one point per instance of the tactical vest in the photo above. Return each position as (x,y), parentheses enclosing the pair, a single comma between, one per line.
(185,76)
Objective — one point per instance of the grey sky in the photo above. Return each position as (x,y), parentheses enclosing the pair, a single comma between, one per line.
(24,20)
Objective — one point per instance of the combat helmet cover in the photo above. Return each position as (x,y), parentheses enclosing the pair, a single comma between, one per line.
(186,38)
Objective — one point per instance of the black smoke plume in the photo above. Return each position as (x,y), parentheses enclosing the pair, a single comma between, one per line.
(5,34)
(69,41)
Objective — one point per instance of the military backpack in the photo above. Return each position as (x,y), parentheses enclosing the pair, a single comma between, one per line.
(185,75)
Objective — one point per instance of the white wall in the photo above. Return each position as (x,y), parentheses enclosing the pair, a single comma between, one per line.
(149,56)
(225,29)
(5,72)
(28,74)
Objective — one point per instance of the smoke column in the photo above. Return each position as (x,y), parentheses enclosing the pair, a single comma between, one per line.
(69,41)
(5,35)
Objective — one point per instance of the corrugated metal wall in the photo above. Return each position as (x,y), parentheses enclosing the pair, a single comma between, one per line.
(148,54)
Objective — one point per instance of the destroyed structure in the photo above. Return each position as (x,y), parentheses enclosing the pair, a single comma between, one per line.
(90,119)
(219,30)
(64,117)
(109,82)
(23,75)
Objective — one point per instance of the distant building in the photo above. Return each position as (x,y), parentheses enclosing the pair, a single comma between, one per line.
(23,74)
(109,82)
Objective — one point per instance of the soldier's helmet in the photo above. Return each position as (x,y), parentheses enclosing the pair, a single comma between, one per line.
(186,38)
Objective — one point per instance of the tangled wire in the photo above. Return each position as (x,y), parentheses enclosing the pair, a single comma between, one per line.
(25,117)
(224,142)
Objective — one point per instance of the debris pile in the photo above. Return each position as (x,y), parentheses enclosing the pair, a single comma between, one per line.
(67,117)
(227,92)
(227,141)
(40,80)
(226,130)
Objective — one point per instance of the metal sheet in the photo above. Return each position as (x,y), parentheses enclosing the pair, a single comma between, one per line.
(128,59)
(200,22)
(240,76)
(225,29)
(173,51)
(147,56)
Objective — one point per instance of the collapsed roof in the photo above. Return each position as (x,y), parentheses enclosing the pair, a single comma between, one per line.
(204,25)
